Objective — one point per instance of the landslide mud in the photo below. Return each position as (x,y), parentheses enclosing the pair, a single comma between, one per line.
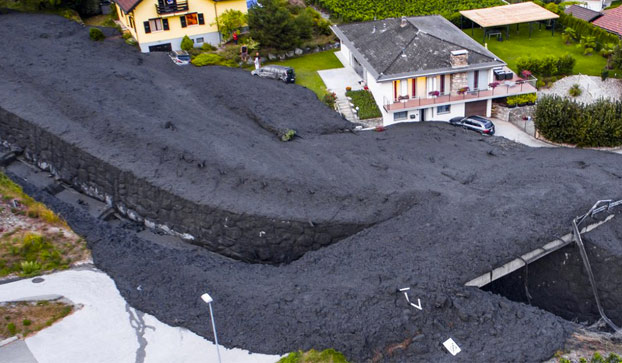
(440,205)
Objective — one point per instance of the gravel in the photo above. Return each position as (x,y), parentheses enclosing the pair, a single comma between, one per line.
(593,88)
(447,205)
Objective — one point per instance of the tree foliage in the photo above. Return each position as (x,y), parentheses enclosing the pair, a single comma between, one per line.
(363,10)
(276,24)
(230,21)
(566,121)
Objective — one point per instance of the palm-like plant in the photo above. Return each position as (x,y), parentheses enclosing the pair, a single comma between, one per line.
(588,43)
(568,35)
(607,51)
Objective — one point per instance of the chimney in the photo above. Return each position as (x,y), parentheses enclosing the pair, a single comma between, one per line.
(459,58)
(404,22)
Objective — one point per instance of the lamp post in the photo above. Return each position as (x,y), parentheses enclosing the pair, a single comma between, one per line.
(208,300)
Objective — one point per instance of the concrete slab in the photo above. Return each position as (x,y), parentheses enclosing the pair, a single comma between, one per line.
(511,132)
(106,329)
(16,352)
(337,79)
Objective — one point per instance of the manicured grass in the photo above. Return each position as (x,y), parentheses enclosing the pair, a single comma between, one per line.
(306,68)
(540,44)
(366,104)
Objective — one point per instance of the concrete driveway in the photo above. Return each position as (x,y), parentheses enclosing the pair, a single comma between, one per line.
(511,132)
(338,79)
(105,329)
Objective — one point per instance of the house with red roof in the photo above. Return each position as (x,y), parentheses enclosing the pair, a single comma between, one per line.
(611,21)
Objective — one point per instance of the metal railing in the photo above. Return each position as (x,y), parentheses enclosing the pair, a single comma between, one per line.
(164,8)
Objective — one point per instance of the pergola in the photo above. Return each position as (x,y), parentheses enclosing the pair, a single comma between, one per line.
(507,15)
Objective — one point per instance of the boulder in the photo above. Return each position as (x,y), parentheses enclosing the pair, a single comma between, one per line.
(298,51)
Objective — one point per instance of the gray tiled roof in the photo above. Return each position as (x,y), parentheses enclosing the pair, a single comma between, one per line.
(580,12)
(422,46)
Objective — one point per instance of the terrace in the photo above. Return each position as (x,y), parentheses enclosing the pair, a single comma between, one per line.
(166,7)
(511,87)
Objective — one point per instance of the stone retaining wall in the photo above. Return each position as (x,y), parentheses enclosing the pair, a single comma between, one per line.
(251,238)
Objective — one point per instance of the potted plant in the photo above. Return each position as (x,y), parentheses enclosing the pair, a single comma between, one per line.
(521,100)
(511,102)
(525,74)
(493,85)
(531,99)
(348,89)
(434,93)
(463,90)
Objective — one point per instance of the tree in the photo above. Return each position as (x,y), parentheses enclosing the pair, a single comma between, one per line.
(616,57)
(588,43)
(607,51)
(568,35)
(187,43)
(230,21)
(272,24)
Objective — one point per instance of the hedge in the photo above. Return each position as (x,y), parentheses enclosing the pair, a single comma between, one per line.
(565,121)
(366,104)
(211,59)
(363,10)
(547,66)
(583,28)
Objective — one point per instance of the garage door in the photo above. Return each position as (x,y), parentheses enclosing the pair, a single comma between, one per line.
(160,48)
(475,108)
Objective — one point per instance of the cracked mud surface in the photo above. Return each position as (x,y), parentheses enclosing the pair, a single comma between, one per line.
(447,205)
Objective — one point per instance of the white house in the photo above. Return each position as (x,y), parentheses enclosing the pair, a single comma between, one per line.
(425,68)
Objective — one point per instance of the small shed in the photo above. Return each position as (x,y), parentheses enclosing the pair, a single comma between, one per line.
(506,15)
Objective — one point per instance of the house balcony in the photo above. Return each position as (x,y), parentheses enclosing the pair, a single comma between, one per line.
(163,7)
(507,88)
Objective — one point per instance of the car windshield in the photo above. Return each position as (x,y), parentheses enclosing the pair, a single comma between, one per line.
(184,57)
(487,124)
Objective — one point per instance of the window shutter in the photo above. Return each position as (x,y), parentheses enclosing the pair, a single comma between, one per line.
(201,20)
(183,21)
(147,28)
(165,24)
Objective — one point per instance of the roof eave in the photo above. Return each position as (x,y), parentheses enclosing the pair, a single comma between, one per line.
(427,72)
(359,56)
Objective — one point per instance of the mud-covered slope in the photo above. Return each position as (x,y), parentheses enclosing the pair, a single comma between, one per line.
(443,205)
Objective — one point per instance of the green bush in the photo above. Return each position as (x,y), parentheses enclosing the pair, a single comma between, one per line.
(363,10)
(288,135)
(96,34)
(547,66)
(604,74)
(575,90)
(207,47)
(329,99)
(313,356)
(11,328)
(211,59)
(366,104)
(26,322)
(29,268)
(186,43)
(522,99)
(595,125)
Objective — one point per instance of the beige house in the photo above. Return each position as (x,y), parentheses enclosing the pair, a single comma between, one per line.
(160,25)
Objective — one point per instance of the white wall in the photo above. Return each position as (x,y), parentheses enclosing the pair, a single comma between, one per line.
(346,54)
(380,90)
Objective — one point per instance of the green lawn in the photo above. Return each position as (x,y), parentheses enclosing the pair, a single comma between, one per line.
(306,68)
(615,4)
(540,44)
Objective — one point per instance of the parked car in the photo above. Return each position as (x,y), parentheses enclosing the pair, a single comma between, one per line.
(476,123)
(285,74)
(180,57)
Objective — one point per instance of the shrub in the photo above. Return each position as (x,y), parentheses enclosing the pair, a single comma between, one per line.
(288,135)
(207,47)
(575,90)
(211,59)
(96,34)
(313,356)
(26,322)
(187,43)
(29,268)
(366,104)
(604,74)
(11,328)
(329,99)
(546,66)
(564,120)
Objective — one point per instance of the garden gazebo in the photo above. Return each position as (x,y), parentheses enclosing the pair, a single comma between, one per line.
(506,15)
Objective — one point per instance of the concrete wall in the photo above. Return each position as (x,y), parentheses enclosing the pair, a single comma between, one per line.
(250,238)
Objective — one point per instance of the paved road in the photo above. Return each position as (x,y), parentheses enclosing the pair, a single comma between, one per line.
(105,329)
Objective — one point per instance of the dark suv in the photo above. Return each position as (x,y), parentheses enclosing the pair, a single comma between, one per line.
(285,74)
(476,123)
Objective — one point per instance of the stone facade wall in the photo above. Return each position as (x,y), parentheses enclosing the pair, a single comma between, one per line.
(249,238)
(458,81)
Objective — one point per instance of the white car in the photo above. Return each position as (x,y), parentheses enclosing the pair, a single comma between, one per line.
(180,57)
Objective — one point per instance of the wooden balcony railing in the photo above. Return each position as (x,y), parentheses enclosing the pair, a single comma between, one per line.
(162,7)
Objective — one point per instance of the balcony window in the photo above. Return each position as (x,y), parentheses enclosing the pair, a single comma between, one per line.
(192,19)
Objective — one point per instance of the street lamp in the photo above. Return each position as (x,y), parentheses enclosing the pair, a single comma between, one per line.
(208,299)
